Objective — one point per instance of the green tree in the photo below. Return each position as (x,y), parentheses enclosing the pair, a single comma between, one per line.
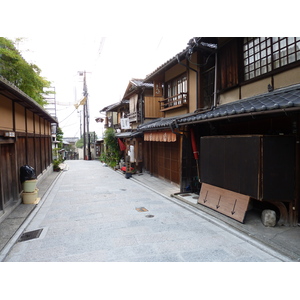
(23,75)
(79,143)
(58,159)
(59,137)
(93,139)
(111,156)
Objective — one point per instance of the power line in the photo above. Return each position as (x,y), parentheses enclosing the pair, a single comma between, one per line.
(68,116)
(101,46)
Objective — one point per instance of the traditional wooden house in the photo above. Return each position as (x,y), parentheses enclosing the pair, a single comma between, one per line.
(112,115)
(177,92)
(245,123)
(142,107)
(137,106)
(25,139)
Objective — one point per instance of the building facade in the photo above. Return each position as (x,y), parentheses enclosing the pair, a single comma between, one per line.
(226,121)
(25,139)
(245,123)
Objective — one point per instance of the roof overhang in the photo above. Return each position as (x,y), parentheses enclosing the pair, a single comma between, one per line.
(10,91)
(159,124)
(129,134)
(195,44)
(281,101)
(114,107)
(135,86)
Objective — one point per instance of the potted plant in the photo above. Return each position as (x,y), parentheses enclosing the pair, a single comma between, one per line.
(56,164)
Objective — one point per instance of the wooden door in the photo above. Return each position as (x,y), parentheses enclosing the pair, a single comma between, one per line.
(8,174)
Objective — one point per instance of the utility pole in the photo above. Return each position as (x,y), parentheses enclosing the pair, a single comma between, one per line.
(84,117)
(86,131)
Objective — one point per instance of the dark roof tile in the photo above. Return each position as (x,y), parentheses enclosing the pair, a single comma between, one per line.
(278,99)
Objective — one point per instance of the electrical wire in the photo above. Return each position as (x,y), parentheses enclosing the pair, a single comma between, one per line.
(68,116)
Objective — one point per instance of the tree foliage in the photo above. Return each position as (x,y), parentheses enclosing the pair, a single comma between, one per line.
(23,75)
(111,156)
(59,137)
(93,139)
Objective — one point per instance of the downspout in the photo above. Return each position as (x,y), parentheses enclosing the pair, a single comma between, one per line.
(188,67)
(174,125)
(215,83)
(195,151)
(142,103)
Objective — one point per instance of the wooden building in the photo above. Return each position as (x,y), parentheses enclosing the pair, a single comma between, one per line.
(25,139)
(141,108)
(242,103)
(224,118)
(176,91)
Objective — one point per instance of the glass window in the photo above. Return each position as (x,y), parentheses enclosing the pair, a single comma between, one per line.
(176,90)
(262,55)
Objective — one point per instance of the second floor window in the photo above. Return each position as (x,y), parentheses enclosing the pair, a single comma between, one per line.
(263,55)
(177,90)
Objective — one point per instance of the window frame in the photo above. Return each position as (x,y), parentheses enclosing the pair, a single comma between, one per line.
(176,92)
(263,55)
(176,87)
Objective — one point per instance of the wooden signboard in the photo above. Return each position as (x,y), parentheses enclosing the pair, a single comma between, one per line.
(157,91)
(231,204)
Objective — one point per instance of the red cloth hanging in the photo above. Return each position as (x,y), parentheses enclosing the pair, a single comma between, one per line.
(121,145)
(194,145)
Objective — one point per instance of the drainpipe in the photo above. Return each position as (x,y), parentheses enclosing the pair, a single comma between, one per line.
(195,151)
(142,103)
(215,83)
(174,125)
(197,83)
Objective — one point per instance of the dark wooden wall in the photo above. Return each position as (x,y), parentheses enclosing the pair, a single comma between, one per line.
(162,159)
(33,151)
(30,145)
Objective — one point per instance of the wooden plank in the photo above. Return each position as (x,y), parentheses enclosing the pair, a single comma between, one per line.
(231,204)
(152,107)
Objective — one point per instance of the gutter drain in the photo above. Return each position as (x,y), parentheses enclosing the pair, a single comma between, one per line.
(30,235)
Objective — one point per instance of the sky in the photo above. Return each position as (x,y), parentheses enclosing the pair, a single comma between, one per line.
(110,62)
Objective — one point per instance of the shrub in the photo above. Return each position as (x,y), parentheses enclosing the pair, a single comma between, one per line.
(111,155)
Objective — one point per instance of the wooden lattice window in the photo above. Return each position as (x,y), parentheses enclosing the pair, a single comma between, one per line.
(265,54)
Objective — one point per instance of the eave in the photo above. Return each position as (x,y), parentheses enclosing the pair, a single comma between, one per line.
(10,91)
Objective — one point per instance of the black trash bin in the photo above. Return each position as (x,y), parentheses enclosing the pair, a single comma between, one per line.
(27,173)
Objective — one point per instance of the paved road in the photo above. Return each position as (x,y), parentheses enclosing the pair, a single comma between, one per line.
(93,213)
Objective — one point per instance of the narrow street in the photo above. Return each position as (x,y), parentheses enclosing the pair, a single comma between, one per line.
(94,214)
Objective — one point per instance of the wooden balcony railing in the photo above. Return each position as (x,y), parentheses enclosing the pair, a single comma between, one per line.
(134,117)
(174,102)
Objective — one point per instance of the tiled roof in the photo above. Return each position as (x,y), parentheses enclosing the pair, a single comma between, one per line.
(156,124)
(160,123)
(168,63)
(141,83)
(113,107)
(128,134)
(135,86)
(181,55)
(279,100)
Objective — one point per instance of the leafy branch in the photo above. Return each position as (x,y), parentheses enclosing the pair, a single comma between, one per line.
(22,74)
